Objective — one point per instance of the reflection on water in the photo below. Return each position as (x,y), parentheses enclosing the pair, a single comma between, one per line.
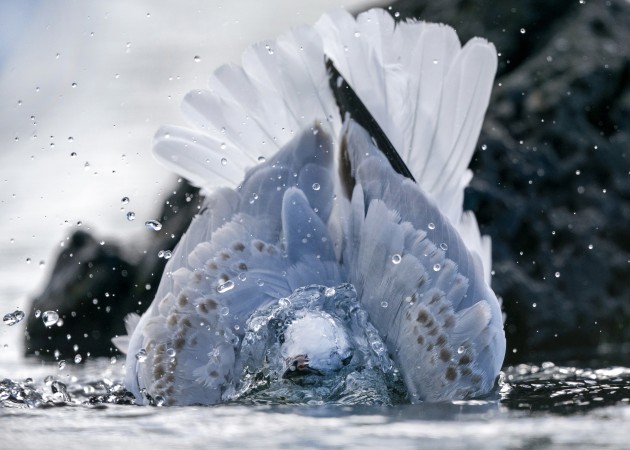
(564,390)
(535,406)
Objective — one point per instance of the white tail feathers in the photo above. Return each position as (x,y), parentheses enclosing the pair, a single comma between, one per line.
(427,92)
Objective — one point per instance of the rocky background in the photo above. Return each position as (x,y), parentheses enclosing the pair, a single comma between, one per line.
(551,187)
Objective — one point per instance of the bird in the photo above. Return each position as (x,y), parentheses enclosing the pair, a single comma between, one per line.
(334,161)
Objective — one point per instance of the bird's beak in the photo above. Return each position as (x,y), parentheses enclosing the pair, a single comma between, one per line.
(298,367)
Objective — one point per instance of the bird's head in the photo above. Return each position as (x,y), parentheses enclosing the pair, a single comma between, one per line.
(314,344)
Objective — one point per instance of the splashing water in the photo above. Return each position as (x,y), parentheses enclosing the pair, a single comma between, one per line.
(368,376)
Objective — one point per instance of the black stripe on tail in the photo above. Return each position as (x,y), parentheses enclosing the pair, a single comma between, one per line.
(349,102)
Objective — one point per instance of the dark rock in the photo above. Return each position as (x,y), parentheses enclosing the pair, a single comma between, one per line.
(88,289)
(552,187)
(93,287)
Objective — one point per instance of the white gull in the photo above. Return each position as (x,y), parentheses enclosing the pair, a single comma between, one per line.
(300,194)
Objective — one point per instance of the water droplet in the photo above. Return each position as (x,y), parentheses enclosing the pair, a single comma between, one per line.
(124,200)
(284,302)
(62,364)
(50,318)
(42,264)
(316,186)
(141,356)
(436,267)
(261,159)
(159,400)
(77,358)
(223,146)
(153,225)
(435,61)
(74,85)
(329,292)
(197,58)
(12,318)
(357,34)
(131,216)
(227,286)
(73,155)
(522,30)
(260,283)
(167,254)
(461,349)
(384,304)
(396,258)
(170,352)
(242,276)
(37,314)
(557,274)
(28,260)
(223,161)
(443,246)
(269,49)
(431,226)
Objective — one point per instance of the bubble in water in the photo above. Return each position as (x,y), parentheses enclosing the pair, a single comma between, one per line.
(170,352)
(197,58)
(62,364)
(77,358)
(73,154)
(50,318)
(223,161)
(444,246)
(431,226)
(224,311)
(242,276)
(12,318)
(384,304)
(316,186)
(124,200)
(153,225)
(261,159)
(131,216)
(141,356)
(396,258)
(227,286)
(37,313)
(159,400)
(330,292)
(436,267)
(260,283)
(557,274)
(460,349)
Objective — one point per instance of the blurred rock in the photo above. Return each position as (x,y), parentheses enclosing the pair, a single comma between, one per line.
(552,186)
(93,287)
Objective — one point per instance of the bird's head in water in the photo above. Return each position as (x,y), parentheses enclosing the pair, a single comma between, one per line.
(314,344)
